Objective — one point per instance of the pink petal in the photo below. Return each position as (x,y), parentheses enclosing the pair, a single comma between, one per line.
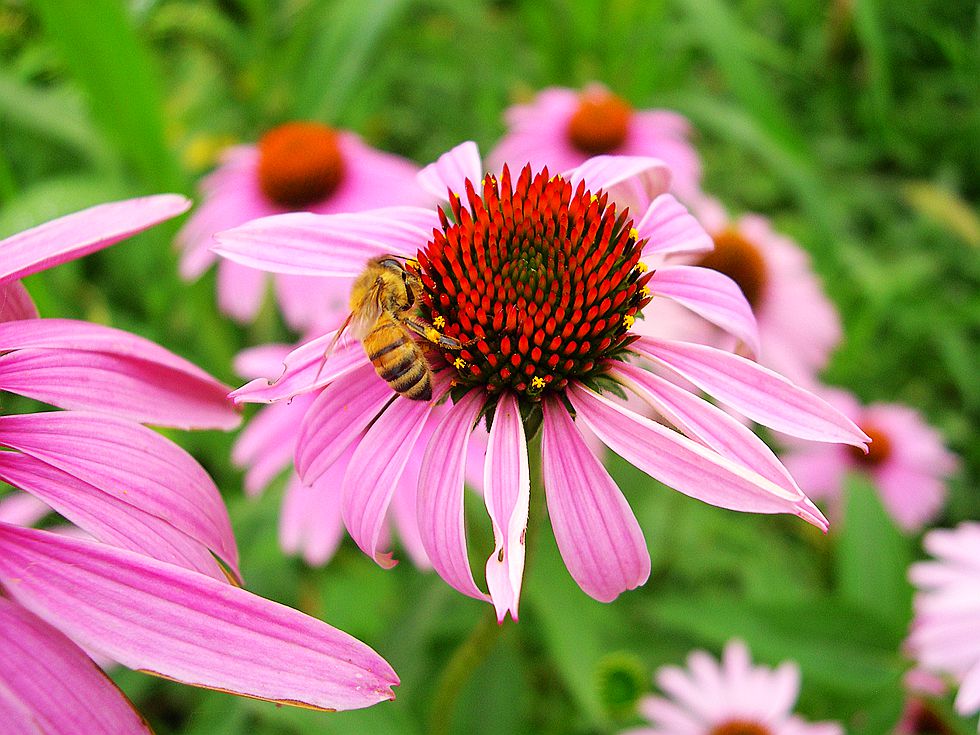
(306,368)
(166,620)
(308,244)
(375,469)
(79,365)
(682,464)
(266,445)
(21,509)
(261,361)
(507,490)
(754,391)
(669,228)
(338,417)
(15,302)
(403,509)
(308,302)
(241,290)
(708,424)
(130,463)
(712,295)
(81,233)
(631,181)
(451,171)
(440,508)
(49,685)
(108,519)
(597,533)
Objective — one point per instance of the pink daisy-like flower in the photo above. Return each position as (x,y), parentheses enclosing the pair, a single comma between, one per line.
(139,581)
(945,635)
(310,523)
(298,166)
(907,461)
(798,326)
(537,282)
(562,128)
(732,697)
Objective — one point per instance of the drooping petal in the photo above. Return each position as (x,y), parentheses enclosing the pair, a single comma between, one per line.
(374,470)
(683,464)
(16,303)
(507,491)
(182,625)
(131,463)
(81,233)
(49,685)
(241,290)
(266,445)
(597,533)
(754,391)
(306,368)
(338,416)
(262,360)
(451,171)
(705,422)
(669,228)
(308,244)
(79,365)
(107,518)
(712,295)
(631,181)
(440,502)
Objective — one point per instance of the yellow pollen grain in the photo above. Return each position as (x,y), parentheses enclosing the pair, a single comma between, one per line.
(414,264)
(594,198)
(459,363)
(432,334)
(641,267)
(634,233)
(439,322)
(537,383)
(645,291)
(629,320)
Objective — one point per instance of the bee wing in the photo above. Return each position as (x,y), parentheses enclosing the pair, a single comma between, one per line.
(368,311)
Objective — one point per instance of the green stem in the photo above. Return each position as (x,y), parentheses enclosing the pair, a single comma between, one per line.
(480,642)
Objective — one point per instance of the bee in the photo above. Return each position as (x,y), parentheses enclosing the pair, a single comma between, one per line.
(383,302)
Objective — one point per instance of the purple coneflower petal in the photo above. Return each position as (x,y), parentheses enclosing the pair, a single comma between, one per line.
(241,290)
(404,510)
(712,295)
(267,445)
(598,535)
(81,233)
(375,469)
(755,391)
(107,518)
(705,422)
(262,360)
(337,418)
(451,171)
(683,464)
(77,365)
(308,244)
(22,509)
(50,685)
(669,228)
(160,618)
(16,303)
(132,463)
(440,503)
(631,181)
(306,368)
(507,491)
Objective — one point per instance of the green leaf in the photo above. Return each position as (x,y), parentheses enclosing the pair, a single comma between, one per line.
(872,556)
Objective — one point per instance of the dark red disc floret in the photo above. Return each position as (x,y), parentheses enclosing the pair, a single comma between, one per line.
(538,281)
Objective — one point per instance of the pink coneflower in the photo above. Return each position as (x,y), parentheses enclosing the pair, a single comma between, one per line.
(945,636)
(538,280)
(310,524)
(145,582)
(299,166)
(731,697)
(798,325)
(907,461)
(562,128)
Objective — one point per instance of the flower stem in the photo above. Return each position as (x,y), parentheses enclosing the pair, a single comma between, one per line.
(480,642)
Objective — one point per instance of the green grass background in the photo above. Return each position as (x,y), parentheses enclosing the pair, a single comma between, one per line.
(854,124)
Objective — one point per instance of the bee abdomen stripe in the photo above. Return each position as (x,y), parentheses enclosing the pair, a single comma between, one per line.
(399,369)
(391,346)
(404,382)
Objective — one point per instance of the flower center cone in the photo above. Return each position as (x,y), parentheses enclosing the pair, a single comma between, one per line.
(600,123)
(879,450)
(740,727)
(540,282)
(741,261)
(300,163)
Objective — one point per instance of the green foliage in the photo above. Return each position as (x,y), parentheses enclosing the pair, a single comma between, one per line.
(854,125)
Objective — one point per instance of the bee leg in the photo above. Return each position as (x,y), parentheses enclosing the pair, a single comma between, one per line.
(430,333)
